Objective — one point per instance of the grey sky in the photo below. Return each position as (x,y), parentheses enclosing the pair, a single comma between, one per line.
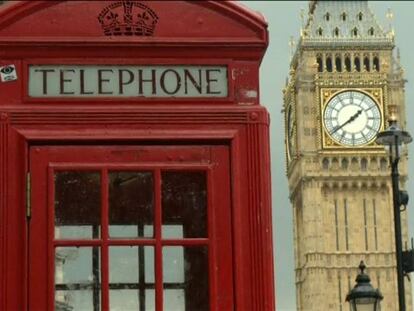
(284,21)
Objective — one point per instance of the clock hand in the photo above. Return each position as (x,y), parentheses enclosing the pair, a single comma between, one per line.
(352,118)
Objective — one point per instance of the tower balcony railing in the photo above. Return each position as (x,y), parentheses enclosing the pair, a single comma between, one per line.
(345,41)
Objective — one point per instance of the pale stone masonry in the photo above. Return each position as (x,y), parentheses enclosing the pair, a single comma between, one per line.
(341,193)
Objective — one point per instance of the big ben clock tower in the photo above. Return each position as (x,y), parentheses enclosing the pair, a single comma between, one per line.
(345,84)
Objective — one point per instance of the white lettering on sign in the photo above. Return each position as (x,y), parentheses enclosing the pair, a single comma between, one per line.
(127,81)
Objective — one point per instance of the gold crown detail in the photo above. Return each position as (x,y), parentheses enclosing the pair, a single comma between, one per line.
(128,18)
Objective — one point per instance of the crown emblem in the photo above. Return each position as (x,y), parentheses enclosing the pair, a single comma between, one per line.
(128,18)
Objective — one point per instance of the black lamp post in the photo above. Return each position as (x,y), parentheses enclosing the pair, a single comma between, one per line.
(393,139)
(363,297)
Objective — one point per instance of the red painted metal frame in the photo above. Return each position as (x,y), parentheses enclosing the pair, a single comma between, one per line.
(159,304)
(220,269)
(239,39)
(253,266)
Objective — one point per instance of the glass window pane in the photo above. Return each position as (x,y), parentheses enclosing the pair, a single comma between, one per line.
(131,204)
(131,277)
(129,300)
(173,259)
(184,204)
(185,278)
(77,205)
(77,278)
(150,300)
(123,299)
(174,300)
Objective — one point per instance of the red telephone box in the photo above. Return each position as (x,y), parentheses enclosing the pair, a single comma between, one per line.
(134,157)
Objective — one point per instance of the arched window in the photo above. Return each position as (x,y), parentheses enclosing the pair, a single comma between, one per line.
(343,16)
(319,62)
(319,31)
(371,31)
(336,32)
(373,164)
(366,63)
(347,63)
(360,15)
(325,164)
(364,164)
(338,63)
(335,163)
(327,16)
(354,164)
(376,63)
(344,164)
(383,164)
(357,64)
(329,64)
(354,32)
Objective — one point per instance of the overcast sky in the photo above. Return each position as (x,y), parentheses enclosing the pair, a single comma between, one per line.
(284,21)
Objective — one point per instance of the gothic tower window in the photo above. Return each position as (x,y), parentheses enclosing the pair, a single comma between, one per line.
(373,164)
(336,32)
(364,206)
(354,32)
(374,212)
(364,164)
(376,63)
(366,63)
(319,62)
(357,64)
(354,164)
(379,280)
(343,16)
(339,292)
(329,64)
(371,31)
(325,164)
(327,16)
(346,224)
(360,15)
(347,63)
(338,63)
(335,163)
(319,31)
(383,164)
(336,224)
(344,164)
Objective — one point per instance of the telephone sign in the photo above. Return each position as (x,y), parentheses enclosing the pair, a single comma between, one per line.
(127,81)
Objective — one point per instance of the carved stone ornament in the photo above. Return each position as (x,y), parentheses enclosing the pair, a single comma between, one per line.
(128,18)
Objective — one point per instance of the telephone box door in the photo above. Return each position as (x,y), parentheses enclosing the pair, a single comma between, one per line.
(130,228)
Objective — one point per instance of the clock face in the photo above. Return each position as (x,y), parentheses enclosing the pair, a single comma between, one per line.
(352,118)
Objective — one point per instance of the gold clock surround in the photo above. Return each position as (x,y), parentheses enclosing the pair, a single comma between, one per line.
(326,94)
